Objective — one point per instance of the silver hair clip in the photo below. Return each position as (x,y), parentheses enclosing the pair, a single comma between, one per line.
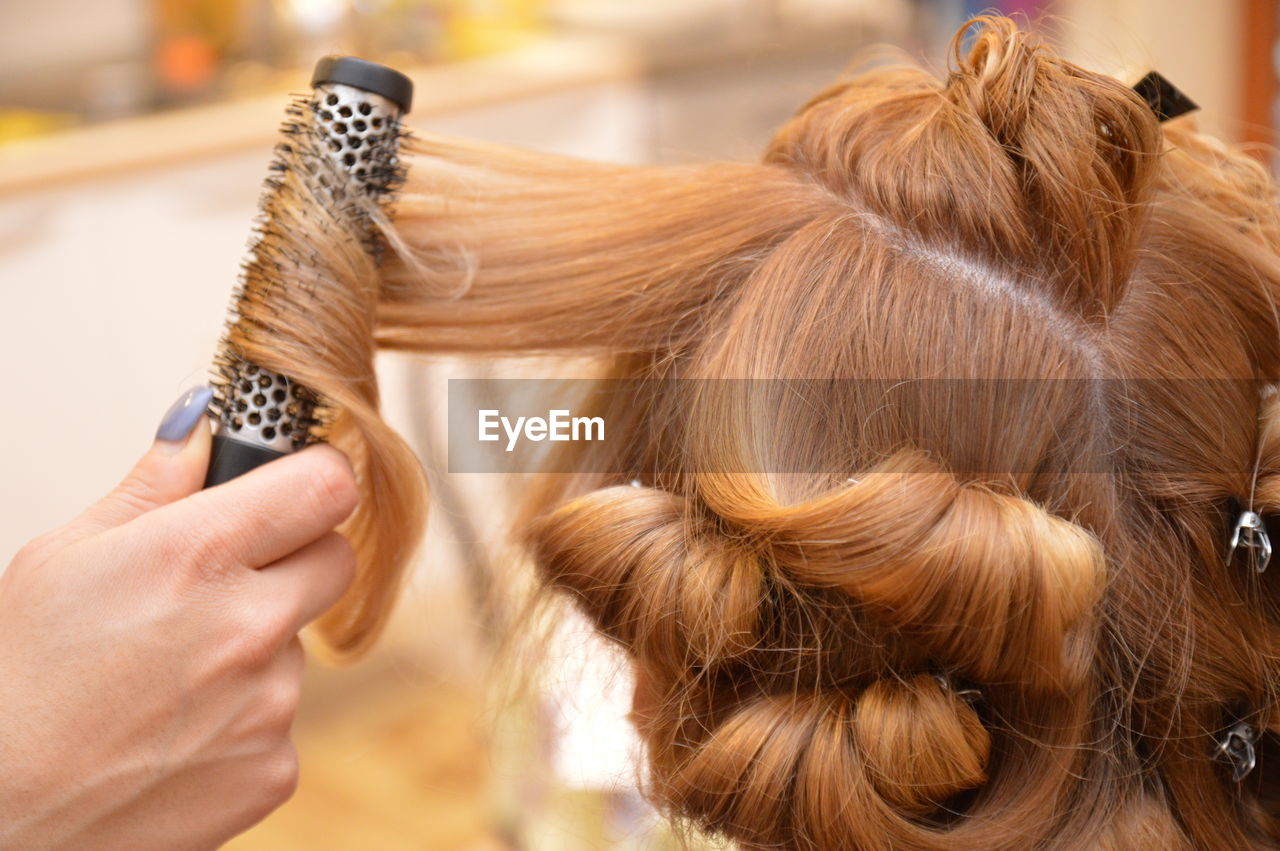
(967,694)
(636,483)
(1235,747)
(1251,533)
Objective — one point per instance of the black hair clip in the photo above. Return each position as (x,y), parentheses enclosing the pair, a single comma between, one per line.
(1235,748)
(1165,99)
(1251,533)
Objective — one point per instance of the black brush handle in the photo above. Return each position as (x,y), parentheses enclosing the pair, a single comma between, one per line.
(230,458)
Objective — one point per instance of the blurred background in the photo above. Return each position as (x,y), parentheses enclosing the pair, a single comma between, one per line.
(134,136)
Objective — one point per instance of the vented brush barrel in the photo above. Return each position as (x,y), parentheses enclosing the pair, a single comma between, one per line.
(354,113)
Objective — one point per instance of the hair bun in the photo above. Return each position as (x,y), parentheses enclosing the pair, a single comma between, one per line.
(824,771)
(1023,161)
(651,578)
(920,742)
(1083,146)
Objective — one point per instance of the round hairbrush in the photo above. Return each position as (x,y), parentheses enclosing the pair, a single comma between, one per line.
(337,161)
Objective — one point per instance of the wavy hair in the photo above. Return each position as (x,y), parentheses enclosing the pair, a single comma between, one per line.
(950,633)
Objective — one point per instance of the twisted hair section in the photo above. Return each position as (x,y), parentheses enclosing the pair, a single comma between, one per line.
(991,583)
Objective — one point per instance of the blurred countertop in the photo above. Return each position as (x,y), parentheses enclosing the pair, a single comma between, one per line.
(547,65)
(170,138)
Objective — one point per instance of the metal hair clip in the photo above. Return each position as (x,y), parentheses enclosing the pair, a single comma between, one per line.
(968,695)
(1251,533)
(1164,98)
(1235,747)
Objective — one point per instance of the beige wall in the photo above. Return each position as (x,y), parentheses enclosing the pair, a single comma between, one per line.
(1195,43)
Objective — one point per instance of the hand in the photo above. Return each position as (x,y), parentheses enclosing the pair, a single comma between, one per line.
(149,653)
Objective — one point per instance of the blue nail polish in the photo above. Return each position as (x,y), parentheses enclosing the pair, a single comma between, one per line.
(183,415)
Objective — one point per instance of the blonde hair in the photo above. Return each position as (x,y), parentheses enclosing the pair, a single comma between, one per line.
(802,637)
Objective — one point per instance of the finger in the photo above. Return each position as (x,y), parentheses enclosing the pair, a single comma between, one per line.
(271,695)
(308,582)
(289,664)
(262,516)
(294,657)
(171,469)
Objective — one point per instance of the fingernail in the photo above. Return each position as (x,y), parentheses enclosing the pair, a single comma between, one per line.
(183,415)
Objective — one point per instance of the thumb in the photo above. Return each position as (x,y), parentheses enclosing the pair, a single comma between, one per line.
(172,468)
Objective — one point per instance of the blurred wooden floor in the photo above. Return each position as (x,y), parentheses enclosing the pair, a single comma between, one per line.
(391,759)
